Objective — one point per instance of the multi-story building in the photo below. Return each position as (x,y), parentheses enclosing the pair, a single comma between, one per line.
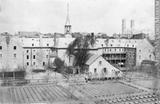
(120,56)
(39,50)
(11,53)
(157,28)
(157,18)
(144,49)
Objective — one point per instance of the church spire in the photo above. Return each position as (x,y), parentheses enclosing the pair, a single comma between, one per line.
(67,27)
(67,19)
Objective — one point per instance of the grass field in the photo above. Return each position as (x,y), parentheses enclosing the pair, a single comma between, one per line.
(35,94)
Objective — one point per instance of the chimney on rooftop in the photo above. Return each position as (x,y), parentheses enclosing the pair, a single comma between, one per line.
(132,27)
(123,26)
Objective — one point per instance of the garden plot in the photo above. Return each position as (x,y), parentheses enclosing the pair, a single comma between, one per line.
(108,88)
(35,94)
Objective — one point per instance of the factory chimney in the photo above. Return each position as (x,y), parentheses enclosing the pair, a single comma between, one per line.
(132,27)
(123,26)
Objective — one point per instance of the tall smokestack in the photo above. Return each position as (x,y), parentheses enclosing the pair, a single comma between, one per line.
(123,26)
(132,26)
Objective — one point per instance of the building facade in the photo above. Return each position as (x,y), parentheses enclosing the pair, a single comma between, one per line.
(157,29)
(98,67)
(120,56)
(144,49)
(157,18)
(39,50)
(11,53)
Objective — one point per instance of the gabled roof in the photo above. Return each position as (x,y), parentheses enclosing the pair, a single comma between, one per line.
(92,58)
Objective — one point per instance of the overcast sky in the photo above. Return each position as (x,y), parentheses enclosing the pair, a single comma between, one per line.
(85,15)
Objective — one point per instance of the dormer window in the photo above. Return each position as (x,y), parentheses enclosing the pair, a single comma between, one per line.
(14,47)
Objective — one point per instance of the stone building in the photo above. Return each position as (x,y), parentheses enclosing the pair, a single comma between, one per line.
(39,50)
(11,53)
(144,49)
(157,29)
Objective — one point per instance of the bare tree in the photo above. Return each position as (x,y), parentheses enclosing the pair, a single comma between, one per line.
(79,48)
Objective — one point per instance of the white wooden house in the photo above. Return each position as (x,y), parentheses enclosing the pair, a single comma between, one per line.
(98,67)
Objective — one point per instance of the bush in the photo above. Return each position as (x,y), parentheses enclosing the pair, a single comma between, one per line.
(69,70)
(60,67)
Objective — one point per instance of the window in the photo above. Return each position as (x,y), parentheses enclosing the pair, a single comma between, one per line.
(95,70)
(34,56)
(27,51)
(104,70)
(0,55)
(14,55)
(0,47)
(100,62)
(14,47)
(32,44)
(43,63)
(102,45)
(46,56)
(115,49)
(27,56)
(139,50)
(132,45)
(34,63)
(139,56)
(150,56)
(27,63)
(47,44)
(127,45)
(111,45)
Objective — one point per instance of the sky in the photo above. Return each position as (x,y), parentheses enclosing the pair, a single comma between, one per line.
(49,16)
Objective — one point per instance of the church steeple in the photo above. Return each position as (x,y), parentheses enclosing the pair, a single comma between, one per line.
(67,26)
